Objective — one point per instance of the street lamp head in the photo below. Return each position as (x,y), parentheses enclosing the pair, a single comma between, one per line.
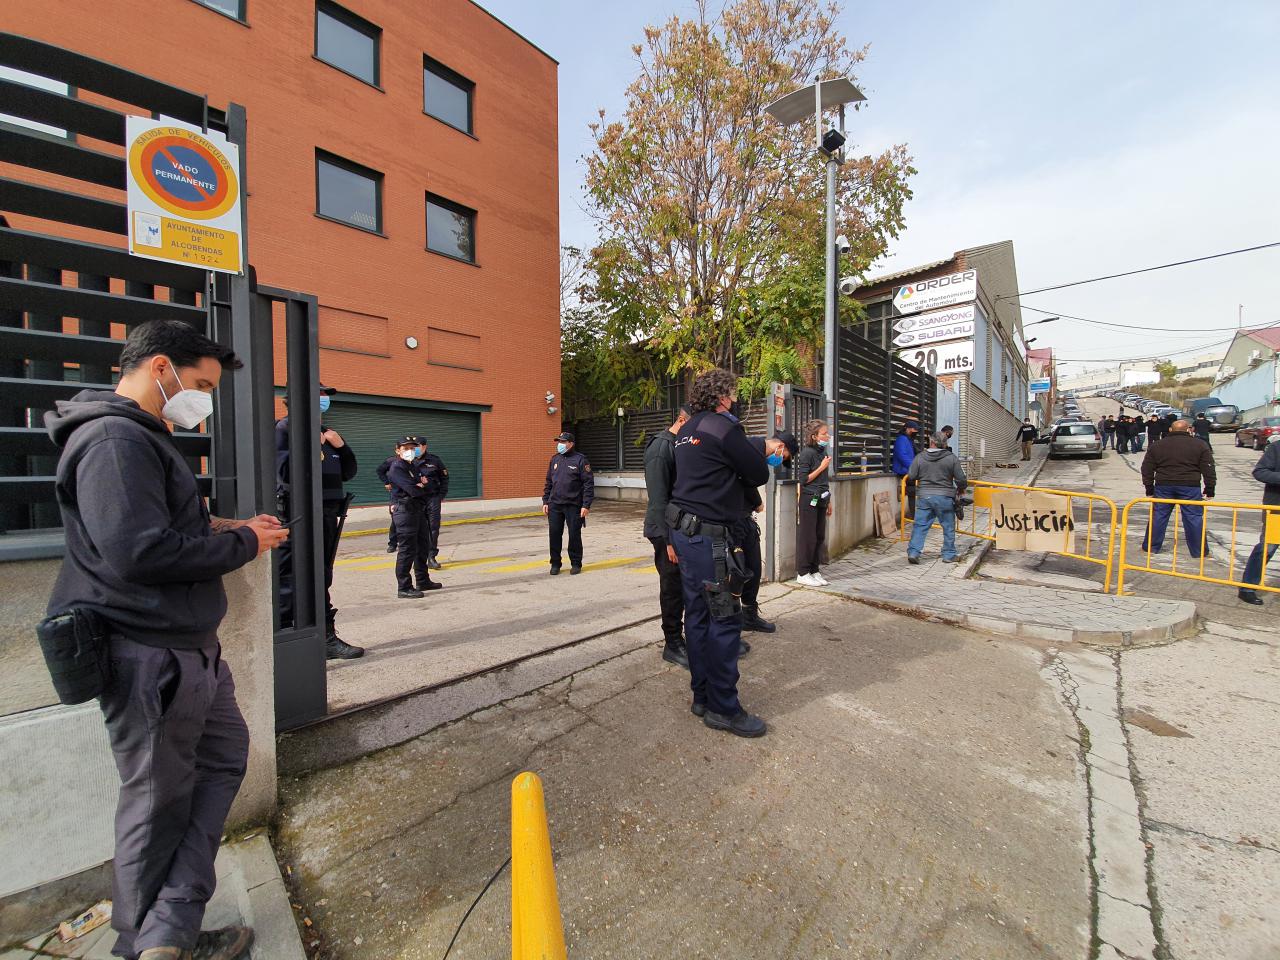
(799,104)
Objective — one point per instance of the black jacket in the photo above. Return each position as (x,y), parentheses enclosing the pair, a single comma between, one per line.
(715,462)
(140,550)
(570,482)
(432,469)
(1027,434)
(1201,427)
(1180,460)
(1154,430)
(406,483)
(659,475)
(1267,470)
(337,465)
(807,461)
(384,468)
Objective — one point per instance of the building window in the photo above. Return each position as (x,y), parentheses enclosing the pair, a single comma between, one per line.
(39,83)
(348,192)
(232,8)
(446,95)
(348,42)
(451,229)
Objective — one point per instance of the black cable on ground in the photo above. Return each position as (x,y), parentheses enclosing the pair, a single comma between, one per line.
(497,873)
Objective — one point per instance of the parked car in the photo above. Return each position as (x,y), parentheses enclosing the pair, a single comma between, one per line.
(1223,418)
(1076,440)
(1257,433)
(1191,407)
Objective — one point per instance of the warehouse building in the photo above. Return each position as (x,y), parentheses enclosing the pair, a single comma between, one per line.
(402,168)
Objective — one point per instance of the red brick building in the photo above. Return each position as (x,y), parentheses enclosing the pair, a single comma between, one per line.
(402,167)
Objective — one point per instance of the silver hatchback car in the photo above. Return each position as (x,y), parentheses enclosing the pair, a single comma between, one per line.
(1076,440)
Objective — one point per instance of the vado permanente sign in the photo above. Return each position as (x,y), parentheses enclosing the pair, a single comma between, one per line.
(184,195)
(937,292)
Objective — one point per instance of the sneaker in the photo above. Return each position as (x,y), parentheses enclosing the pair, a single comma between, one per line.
(227,943)
(950,559)
(820,580)
(741,725)
(913,558)
(409,594)
(806,580)
(676,653)
(336,648)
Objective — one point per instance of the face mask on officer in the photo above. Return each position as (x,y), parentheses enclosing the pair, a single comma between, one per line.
(774,459)
(186,408)
(562,448)
(408,454)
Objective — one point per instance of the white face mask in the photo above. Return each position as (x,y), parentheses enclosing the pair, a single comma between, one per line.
(407,455)
(186,409)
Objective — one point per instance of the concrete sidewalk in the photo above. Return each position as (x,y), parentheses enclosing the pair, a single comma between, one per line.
(877,572)
(250,892)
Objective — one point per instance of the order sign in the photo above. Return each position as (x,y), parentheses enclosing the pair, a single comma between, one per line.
(184,195)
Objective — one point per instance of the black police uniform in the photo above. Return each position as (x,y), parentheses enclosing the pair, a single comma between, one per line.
(715,463)
(432,469)
(338,465)
(749,539)
(570,486)
(413,533)
(382,471)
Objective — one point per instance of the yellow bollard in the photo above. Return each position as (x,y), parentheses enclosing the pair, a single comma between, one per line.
(536,929)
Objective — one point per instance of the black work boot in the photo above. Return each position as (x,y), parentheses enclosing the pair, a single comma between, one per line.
(434,563)
(743,647)
(742,725)
(751,619)
(227,943)
(676,652)
(1250,596)
(335,648)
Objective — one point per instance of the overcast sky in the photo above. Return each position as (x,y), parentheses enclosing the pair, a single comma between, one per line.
(1097,136)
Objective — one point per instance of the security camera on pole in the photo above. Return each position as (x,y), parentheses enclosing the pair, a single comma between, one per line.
(792,109)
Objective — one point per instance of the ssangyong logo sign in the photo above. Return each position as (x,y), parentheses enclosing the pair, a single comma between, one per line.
(937,292)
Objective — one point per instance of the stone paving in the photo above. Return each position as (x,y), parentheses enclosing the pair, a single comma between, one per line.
(878,572)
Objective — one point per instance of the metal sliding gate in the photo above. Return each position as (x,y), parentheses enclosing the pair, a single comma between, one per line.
(67,302)
(875,393)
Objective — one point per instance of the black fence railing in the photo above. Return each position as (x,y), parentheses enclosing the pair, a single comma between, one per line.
(875,393)
(617,443)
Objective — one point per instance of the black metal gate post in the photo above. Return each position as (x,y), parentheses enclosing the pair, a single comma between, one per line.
(301,682)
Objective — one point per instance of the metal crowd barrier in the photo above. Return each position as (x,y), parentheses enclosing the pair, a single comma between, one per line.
(982,491)
(1270,530)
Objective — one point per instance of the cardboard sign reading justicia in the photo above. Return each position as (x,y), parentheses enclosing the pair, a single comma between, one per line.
(1027,520)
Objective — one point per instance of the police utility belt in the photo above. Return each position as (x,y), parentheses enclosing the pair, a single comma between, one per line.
(724,593)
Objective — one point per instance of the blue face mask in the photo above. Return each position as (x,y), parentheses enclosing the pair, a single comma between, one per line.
(823,443)
(561,447)
(324,402)
(774,459)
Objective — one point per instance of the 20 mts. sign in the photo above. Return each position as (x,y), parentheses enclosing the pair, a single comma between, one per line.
(184,195)
(941,360)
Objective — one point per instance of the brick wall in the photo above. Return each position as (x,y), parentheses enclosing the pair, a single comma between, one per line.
(500,315)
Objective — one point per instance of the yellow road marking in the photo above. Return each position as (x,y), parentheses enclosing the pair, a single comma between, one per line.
(521,567)
(374,563)
(597,565)
(446,523)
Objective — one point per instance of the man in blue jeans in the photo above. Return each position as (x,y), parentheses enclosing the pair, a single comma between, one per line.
(1267,471)
(939,480)
(1175,469)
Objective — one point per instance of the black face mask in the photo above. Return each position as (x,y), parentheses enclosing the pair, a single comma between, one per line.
(735,410)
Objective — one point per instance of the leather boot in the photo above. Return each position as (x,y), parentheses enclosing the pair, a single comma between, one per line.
(335,648)
(676,652)
(751,620)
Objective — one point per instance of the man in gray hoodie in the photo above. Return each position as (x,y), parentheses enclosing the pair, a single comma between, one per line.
(939,480)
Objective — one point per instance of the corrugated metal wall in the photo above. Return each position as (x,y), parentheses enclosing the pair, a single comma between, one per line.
(984,419)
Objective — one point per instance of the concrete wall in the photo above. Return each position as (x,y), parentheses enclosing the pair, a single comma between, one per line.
(1252,391)
(852,519)
(58,782)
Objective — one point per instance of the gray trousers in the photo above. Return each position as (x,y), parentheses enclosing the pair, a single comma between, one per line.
(180,745)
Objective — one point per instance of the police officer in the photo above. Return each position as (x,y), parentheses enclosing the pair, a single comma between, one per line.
(337,466)
(659,475)
(409,514)
(383,469)
(433,470)
(566,500)
(715,462)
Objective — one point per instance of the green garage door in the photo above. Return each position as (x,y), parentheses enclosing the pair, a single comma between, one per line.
(372,430)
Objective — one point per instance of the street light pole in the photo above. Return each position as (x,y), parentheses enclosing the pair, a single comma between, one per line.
(829,324)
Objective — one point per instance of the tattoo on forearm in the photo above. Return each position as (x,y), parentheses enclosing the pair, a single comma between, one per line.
(222,524)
